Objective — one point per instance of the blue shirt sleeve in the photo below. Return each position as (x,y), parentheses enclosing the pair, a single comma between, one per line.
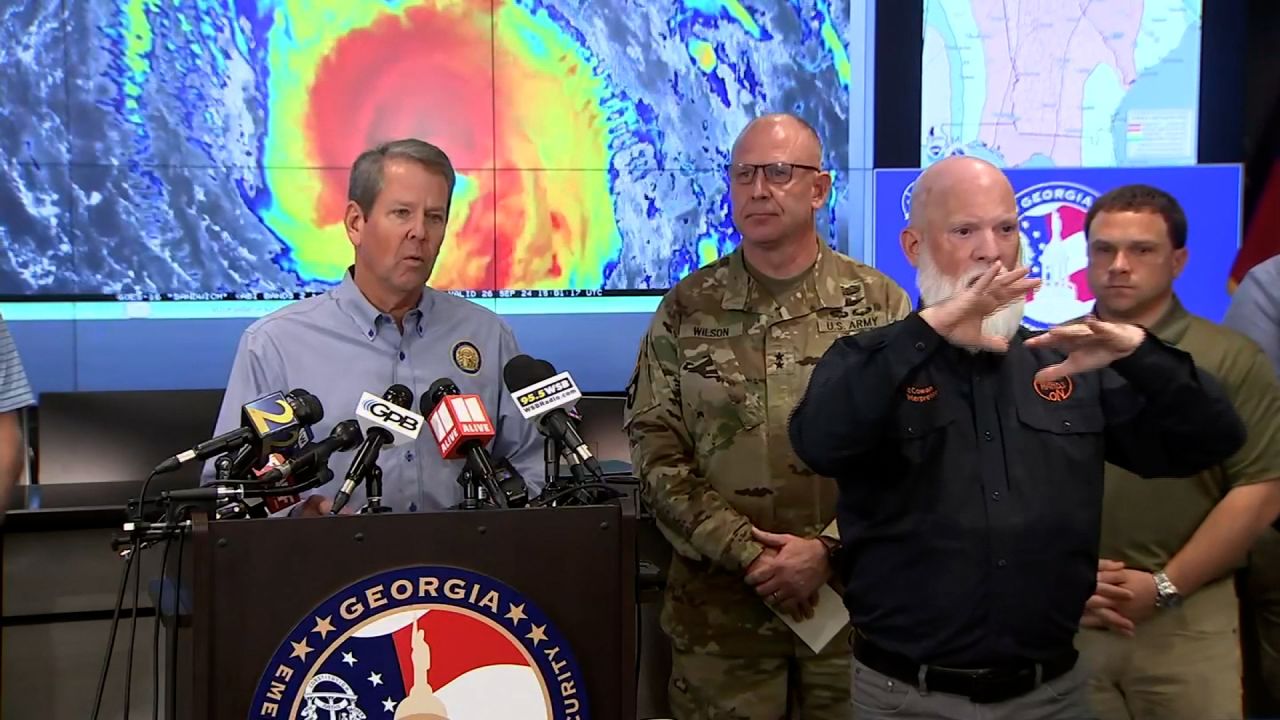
(1255,309)
(257,370)
(517,439)
(15,391)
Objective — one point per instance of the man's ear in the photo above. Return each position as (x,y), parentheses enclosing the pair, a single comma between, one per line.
(821,190)
(910,240)
(353,220)
(1179,261)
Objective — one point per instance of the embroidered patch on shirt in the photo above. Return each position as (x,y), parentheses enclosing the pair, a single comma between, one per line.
(1054,390)
(711,332)
(466,357)
(921,394)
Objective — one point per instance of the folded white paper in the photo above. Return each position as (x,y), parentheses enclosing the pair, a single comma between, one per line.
(829,616)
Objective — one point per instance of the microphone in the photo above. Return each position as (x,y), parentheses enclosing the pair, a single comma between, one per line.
(461,427)
(344,436)
(542,395)
(316,476)
(386,421)
(277,416)
(276,503)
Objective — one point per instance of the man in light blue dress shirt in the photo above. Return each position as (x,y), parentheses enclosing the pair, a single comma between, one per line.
(382,326)
(1255,311)
(1255,308)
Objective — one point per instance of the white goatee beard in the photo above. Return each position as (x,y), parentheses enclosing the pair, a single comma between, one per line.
(935,287)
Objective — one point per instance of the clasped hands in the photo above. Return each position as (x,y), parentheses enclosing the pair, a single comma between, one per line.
(1089,345)
(1124,597)
(788,574)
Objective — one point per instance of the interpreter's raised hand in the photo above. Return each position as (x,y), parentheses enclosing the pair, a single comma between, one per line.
(959,317)
(1089,345)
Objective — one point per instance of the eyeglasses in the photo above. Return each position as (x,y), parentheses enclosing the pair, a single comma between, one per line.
(778,173)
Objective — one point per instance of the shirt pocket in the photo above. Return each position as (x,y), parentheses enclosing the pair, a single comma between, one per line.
(1060,418)
(919,428)
(1067,434)
(720,398)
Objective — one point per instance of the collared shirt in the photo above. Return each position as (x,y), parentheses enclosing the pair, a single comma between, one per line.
(15,391)
(1146,539)
(970,496)
(719,370)
(337,346)
(1255,308)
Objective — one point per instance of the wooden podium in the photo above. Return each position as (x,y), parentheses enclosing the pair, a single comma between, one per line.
(512,613)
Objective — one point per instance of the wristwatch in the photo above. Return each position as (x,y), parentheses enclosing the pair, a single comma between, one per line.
(1167,595)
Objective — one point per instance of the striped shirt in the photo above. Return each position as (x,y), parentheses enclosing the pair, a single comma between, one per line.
(15,391)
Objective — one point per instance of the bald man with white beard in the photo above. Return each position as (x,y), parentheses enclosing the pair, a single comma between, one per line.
(969,456)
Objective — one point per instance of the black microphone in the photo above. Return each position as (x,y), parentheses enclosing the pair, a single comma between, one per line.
(459,429)
(435,393)
(544,402)
(320,475)
(270,416)
(375,437)
(344,436)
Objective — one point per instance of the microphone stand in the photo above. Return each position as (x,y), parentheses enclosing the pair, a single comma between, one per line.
(551,461)
(373,492)
(222,468)
(470,491)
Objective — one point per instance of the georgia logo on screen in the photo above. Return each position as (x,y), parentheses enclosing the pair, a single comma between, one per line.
(906,199)
(423,643)
(1051,223)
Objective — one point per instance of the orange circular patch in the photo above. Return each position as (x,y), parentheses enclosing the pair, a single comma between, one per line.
(1055,390)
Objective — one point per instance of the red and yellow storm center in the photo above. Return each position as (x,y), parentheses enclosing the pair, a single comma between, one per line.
(511,98)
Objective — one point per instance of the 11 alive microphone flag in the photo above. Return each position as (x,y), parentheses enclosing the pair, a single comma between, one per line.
(458,420)
(405,425)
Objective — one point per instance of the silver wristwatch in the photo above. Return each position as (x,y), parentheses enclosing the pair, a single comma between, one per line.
(1167,595)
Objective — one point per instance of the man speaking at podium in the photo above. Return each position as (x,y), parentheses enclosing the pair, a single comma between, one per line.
(380,326)
(725,359)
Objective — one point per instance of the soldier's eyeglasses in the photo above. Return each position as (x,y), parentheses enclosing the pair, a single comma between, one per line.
(778,173)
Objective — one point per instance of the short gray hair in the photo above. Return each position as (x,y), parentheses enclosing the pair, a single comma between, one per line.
(366,173)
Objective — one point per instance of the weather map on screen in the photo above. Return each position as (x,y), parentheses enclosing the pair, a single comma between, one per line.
(200,150)
(1046,83)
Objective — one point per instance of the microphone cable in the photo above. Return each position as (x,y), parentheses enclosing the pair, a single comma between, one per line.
(133,628)
(155,633)
(111,638)
(177,622)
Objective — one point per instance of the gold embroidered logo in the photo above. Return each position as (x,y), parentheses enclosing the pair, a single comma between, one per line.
(467,357)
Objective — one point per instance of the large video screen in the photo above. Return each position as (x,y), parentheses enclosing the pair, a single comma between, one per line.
(200,151)
(1044,83)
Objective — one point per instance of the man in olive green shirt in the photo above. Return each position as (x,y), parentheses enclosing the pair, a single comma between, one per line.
(1161,632)
(725,360)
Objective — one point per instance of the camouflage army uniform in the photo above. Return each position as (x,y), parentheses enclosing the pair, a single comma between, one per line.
(718,374)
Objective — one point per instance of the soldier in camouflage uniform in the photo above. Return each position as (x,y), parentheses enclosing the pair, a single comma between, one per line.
(726,358)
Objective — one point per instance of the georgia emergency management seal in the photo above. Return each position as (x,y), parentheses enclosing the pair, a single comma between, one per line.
(423,643)
(1051,223)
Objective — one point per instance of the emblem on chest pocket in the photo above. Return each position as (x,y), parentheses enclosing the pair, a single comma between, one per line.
(1055,390)
(703,366)
(918,394)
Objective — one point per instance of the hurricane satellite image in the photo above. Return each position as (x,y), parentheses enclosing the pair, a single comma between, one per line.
(1047,83)
(200,149)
